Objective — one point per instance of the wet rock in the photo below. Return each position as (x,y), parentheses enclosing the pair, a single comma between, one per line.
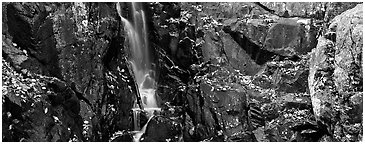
(175,36)
(28,28)
(203,54)
(61,40)
(123,136)
(224,110)
(307,131)
(212,47)
(289,38)
(10,52)
(193,108)
(175,45)
(290,126)
(237,56)
(42,113)
(220,48)
(250,35)
(285,76)
(263,41)
(355,113)
(171,87)
(254,29)
(188,129)
(296,102)
(171,111)
(162,129)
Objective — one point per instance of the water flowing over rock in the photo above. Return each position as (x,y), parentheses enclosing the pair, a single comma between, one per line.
(182,71)
(140,54)
(161,129)
(141,64)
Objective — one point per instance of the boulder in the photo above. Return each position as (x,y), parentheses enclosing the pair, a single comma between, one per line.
(162,129)
(348,73)
(254,29)
(335,76)
(349,44)
(123,136)
(220,48)
(287,37)
(237,55)
(264,39)
(320,80)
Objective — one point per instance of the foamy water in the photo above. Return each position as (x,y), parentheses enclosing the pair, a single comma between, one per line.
(150,113)
(141,64)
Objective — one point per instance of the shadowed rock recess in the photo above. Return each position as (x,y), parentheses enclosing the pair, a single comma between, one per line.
(219,72)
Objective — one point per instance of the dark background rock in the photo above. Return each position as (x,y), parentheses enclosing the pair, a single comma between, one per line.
(123,136)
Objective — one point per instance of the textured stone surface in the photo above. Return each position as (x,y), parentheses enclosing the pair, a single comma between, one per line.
(349,44)
(335,76)
(79,44)
(282,36)
(289,38)
(226,72)
(320,79)
(161,129)
(317,10)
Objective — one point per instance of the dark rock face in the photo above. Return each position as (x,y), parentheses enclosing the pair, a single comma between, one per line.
(254,29)
(238,56)
(28,27)
(162,129)
(244,46)
(289,38)
(123,136)
(41,109)
(205,120)
(250,35)
(220,47)
(224,112)
(79,43)
(217,114)
(285,37)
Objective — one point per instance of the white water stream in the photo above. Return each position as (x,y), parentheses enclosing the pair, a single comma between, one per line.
(140,61)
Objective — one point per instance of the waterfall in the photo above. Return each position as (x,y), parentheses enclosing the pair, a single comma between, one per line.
(140,61)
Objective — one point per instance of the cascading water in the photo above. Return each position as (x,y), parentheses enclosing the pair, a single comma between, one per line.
(141,64)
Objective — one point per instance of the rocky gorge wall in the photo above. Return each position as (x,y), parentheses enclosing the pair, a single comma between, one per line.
(78,46)
(225,72)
